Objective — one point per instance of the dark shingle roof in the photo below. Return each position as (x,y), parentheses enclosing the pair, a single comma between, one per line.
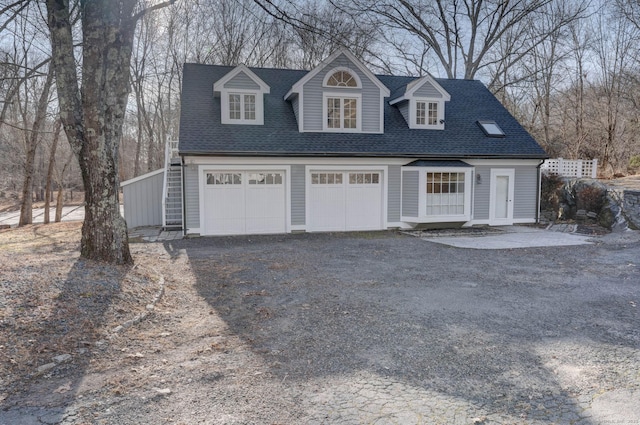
(202,133)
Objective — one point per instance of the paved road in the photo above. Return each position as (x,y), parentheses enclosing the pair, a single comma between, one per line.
(73,213)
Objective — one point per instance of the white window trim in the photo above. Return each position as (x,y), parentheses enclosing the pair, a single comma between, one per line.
(345,69)
(342,95)
(224,104)
(413,109)
(422,196)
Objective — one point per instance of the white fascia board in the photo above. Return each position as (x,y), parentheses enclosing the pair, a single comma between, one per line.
(311,161)
(142,177)
(219,85)
(297,87)
(501,162)
(398,100)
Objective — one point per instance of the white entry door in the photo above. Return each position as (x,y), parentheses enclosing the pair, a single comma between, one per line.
(244,202)
(344,200)
(501,197)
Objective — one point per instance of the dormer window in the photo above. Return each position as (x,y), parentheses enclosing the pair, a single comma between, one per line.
(242,107)
(427,113)
(241,97)
(342,107)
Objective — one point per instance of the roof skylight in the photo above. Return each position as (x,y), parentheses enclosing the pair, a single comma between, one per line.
(491,129)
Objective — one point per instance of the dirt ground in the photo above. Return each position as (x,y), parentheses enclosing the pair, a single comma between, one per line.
(355,328)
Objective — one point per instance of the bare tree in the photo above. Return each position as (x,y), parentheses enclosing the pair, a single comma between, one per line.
(92,113)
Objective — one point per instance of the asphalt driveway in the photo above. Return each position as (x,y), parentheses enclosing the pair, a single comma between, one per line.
(389,328)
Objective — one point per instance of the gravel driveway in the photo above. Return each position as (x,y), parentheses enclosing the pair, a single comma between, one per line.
(384,328)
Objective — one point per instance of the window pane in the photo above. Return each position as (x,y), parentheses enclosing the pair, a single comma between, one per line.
(234,106)
(420,113)
(333,112)
(278,179)
(433,113)
(249,107)
(323,178)
(339,178)
(237,179)
(350,113)
(269,179)
(315,179)
(375,178)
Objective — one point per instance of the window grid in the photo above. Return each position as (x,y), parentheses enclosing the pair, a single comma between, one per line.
(326,178)
(342,79)
(433,113)
(264,178)
(364,178)
(234,107)
(420,113)
(445,193)
(224,178)
(333,112)
(342,113)
(249,106)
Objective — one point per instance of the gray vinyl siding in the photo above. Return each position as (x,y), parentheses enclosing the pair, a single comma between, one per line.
(241,81)
(404,110)
(393,193)
(298,188)
(192,197)
(525,192)
(313,95)
(525,195)
(481,193)
(410,193)
(427,90)
(143,201)
(295,104)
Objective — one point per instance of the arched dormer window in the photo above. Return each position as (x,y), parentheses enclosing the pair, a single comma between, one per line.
(342,77)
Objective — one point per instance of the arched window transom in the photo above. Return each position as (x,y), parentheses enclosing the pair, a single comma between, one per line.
(342,78)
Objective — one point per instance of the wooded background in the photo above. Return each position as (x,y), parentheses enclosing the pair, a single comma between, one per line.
(568,70)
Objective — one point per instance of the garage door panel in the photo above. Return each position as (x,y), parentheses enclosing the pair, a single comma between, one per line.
(352,202)
(363,207)
(244,202)
(327,207)
(265,209)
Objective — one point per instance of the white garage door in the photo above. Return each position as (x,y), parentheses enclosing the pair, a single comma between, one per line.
(244,202)
(340,200)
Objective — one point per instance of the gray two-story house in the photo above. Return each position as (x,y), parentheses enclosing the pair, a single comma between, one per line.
(338,148)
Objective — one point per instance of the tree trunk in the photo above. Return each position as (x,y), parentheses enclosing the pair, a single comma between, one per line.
(48,193)
(93,117)
(26,208)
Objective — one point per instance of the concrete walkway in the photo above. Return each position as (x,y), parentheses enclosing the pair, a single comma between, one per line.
(510,237)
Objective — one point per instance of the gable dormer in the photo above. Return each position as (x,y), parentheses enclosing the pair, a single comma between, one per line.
(423,103)
(339,95)
(241,97)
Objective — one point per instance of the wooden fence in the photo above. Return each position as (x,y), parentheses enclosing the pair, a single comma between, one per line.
(571,167)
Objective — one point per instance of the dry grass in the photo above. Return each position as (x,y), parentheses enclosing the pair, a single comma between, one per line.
(52,302)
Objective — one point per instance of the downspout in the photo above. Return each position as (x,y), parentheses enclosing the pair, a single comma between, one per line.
(184,209)
(538,201)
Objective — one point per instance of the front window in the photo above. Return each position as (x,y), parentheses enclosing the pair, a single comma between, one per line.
(342,113)
(445,194)
(242,107)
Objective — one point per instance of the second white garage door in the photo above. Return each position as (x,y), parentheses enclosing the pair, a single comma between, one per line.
(345,200)
(244,202)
